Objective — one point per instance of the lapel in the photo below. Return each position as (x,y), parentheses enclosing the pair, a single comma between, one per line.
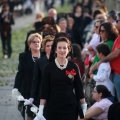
(30,61)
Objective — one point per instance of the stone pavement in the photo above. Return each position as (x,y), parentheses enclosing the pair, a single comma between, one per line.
(8,111)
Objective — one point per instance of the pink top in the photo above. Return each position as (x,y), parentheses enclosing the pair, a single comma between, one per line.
(104,104)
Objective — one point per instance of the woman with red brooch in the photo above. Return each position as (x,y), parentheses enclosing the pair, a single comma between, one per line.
(61,85)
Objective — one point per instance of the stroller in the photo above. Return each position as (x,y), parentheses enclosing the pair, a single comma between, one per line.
(88,85)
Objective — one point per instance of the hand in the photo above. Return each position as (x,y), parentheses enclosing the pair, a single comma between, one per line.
(20,98)
(29,101)
(84,108)
(37,118)
(91,76)
(15,93)
(39,115)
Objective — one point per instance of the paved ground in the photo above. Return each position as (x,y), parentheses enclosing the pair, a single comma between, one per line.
(8,111)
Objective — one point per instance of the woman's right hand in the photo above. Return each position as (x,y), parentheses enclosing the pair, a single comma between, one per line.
(15,93)
(29,101)
(39,115)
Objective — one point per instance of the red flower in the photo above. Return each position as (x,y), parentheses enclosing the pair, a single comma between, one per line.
(71,72)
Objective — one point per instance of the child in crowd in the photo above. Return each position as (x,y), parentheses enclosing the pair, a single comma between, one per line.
(104,70)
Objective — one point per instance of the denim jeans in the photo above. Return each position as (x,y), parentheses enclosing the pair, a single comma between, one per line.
(116,80)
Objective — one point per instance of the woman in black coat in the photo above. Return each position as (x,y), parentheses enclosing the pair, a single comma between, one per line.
(6,20)
(38,70)
(61,85)
(23,79)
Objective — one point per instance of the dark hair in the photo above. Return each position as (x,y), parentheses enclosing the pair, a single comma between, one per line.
(62,34)
(97,12)
(112,14)
(77,52)
(111,30)
(48,20)
(118,15)
(3,7)
(103,48)
(28,34)
(54,46)
(104,90)
(76,6)
(114,111)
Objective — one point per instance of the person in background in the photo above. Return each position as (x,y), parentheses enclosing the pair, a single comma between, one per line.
(108,33)
(52,12)
(104,70)
(70,23)
(24,76)
(38,21)
(112,17)
(58,84)
(99,110)
(38,71)
(6,20)
(77,58)
(114,111)
(114,58)
(11,4)
(118,22)
(63,25)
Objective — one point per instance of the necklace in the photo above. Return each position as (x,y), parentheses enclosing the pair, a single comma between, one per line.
(35,58)
(63,66)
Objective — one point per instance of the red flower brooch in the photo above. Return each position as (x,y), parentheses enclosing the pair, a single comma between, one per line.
(71,73)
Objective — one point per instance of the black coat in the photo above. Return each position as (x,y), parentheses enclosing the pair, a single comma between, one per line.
(58,89)
(37,75)
(24,76)
(6,26)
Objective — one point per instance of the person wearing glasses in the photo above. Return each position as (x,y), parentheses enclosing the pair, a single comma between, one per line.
(96,39)
(99,110)
(38,70)
(108,33)
(118,22)
(24,76)
(112,17)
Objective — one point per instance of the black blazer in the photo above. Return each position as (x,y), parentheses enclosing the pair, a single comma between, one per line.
(37,76)
(24,76)
(6,26)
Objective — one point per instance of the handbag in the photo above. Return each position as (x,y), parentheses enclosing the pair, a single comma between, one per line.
(80,111)
(21,108)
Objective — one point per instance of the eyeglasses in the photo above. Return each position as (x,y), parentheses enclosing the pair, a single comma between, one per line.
(94,91)
(96,27)
(117,21)
(102,31)
(34,42)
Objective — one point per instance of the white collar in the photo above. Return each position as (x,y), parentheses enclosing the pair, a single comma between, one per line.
(61,67)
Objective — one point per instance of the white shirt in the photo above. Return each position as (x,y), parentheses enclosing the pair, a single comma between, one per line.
(102,77)
(95,41)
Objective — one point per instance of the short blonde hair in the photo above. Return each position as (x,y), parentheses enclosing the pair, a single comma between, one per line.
(46,39)
(32,36)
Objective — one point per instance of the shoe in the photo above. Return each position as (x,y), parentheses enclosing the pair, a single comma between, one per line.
(5,56)
(9,56)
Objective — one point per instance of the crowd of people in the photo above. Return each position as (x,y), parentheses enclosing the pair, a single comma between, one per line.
(59,51)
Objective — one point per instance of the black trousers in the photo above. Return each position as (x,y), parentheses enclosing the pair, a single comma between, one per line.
(6,44)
